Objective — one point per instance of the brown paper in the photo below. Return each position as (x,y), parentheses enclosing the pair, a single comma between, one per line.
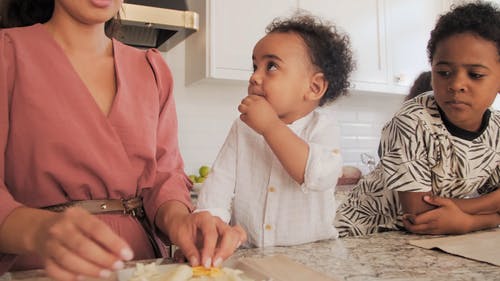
(278,268)
(480,246)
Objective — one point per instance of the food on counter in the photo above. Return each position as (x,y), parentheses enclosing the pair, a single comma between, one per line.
(182,272)
(202,271)
(178,273)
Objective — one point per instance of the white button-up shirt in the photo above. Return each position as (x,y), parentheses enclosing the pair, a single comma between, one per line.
(249,186)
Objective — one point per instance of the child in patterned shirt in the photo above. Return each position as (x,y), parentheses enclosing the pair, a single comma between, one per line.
(439,171)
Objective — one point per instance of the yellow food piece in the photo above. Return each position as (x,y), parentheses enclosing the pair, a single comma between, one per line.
(183,272)
(202,271)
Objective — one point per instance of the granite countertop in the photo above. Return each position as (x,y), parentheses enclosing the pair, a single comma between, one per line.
(382,256)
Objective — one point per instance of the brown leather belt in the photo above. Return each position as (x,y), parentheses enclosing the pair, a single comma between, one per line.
(132,206)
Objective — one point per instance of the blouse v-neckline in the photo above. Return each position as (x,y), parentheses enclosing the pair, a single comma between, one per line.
(89,97)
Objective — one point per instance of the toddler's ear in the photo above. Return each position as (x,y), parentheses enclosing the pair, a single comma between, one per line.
(317,87)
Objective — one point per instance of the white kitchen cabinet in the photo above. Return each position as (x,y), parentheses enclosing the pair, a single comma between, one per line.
(459,2)
(229,29)
(388,37)
(363,21)
(409,24)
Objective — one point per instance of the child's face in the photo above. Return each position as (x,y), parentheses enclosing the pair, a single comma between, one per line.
(465,78)
(282,74)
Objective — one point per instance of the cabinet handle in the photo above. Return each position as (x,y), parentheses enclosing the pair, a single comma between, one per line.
(399,78)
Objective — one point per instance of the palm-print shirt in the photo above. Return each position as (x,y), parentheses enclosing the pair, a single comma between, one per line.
(420,152)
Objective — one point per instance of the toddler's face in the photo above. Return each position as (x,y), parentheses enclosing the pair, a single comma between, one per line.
(282,73)
(465,78)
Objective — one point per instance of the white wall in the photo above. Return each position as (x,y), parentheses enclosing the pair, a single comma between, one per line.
(206,111)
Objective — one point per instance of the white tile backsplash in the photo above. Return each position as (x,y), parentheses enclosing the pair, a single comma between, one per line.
(206,111)
(356,129)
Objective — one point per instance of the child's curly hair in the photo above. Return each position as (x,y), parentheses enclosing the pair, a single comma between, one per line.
(329,49)
(479,18)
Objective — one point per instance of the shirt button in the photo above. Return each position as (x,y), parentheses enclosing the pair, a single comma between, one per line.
(272,189)
(268,227)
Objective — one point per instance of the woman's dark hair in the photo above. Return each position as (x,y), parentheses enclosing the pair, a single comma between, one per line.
(480,18)
(329,50)
(421,85)
(17,13)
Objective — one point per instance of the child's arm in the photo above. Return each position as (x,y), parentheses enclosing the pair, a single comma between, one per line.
(413,203)
(485,204)
(290,149)
(416,203)
(448,218)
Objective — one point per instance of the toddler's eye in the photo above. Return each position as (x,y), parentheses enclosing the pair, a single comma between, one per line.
(271,66)
(254,67)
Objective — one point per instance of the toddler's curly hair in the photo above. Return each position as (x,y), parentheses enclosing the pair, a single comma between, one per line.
(329,49)
(480,18)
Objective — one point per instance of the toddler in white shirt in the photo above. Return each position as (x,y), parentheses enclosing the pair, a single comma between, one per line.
(276,172)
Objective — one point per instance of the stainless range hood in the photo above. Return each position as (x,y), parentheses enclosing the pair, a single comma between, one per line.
(158,24)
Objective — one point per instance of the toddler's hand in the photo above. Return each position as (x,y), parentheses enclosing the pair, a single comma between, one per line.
(258,114)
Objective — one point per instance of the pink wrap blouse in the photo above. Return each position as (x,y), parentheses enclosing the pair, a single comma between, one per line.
(57,145)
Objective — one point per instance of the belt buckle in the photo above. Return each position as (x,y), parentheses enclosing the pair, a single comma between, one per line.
(135,212)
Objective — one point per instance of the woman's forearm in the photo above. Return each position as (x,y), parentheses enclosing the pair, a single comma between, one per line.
(168,213)
(19,230)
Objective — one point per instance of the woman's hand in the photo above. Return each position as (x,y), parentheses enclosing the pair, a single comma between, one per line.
(75,243)
(203,238)
(206,239)
(447,218)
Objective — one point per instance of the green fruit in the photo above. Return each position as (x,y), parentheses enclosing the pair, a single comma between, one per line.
(204,171)
(192,178)
(200,179)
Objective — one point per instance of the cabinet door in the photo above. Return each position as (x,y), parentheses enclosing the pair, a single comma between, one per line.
(363,21)
(229,29)
(236,26)
(409,24)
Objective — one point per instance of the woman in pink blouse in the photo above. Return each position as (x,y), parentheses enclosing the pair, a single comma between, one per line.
(90,160)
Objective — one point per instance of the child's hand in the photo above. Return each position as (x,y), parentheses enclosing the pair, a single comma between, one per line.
(446,219)
(258,114)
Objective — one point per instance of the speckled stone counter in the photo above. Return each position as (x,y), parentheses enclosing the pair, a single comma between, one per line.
(383,256)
